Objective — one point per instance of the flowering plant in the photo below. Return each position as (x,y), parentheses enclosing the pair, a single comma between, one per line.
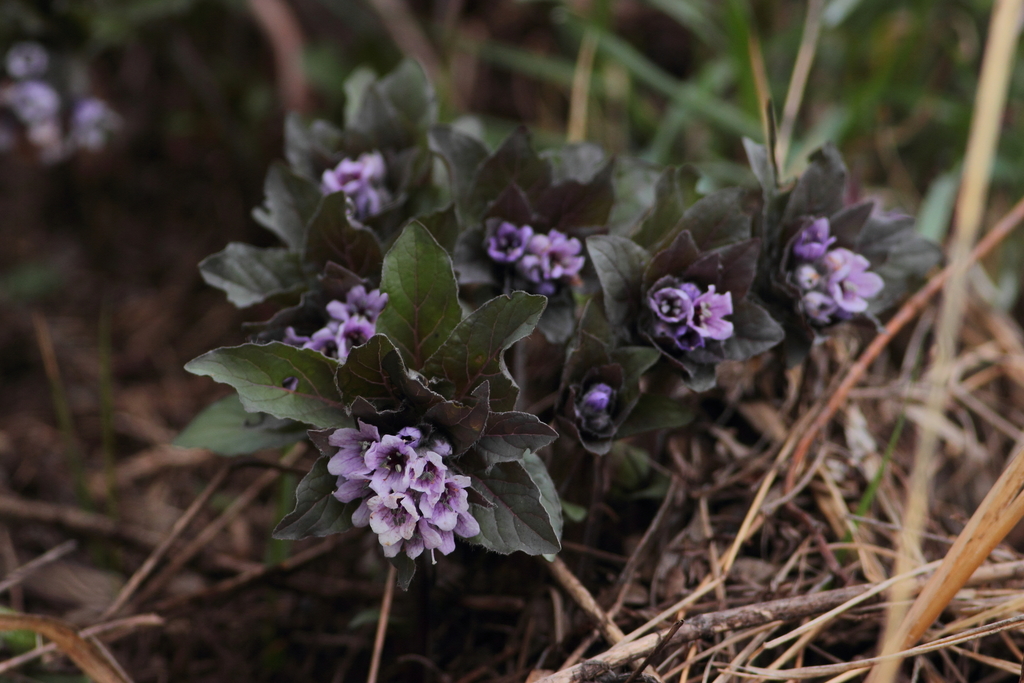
(825,260)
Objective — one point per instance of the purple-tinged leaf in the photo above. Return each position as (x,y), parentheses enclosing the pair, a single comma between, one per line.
(463,421)
(363,374)
(620,265)
(290,203)
(333,238)
(317,512)
(284,381)
(474,351)
(423,297)
(510,434)
(249,275)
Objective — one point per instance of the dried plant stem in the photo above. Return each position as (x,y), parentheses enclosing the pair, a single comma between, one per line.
(580,97)
(579,593)
(24,571)
(798,79)
(981,145)
(382,624)
(282,28)
(210,532)
(143,572)
(111,629)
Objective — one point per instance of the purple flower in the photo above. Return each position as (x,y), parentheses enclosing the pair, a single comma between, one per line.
(807,276)
(27,59)
(354,332)
(428,477)
(813,241)
(391,460)
(393,518)
(531,267)
(818,307)
(850,283)
(410,435)
(508,243)
(708,314)
(671,305)
(367,304)
(597,398)
(362,180)
(593,411)
(558,254)
(450,512)
(350,460)
(92,121)
(34,102)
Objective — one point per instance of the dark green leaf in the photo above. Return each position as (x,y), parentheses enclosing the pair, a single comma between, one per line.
(226,428)
(579,161)
(720,219)
(620,266)
(819,192)
(673,260)
(444,226)
(463,155)
(395,109)
(363,374)
(518,517)
(655,412)
(762,165)
(514,163)
(423,297)
(634,181)
(559,319)
(754,331)
(259,372)
(249,275)
(289,204)
(474,351)
(673,193)
(573,205)
(317,512)
(508,435)
(406,567)
(464,421)
(333,238)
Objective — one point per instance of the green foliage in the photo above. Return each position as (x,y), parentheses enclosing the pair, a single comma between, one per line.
(226,428)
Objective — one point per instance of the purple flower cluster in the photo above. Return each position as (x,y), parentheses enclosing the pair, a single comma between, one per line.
(351,323)
(686,315)
(406,493)
(542,260)
(362,180)
(835,284)
(36,104)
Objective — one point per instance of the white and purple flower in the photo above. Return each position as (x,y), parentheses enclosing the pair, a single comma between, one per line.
(351,323)
(542,262)
(835,284)
(406,492)
(686,316)
(362,180)
(508,244)
(26,59)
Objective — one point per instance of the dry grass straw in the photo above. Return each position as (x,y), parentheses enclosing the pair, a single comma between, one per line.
(903,629)
(579,100)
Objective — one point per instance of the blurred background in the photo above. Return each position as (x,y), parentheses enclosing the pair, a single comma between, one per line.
(101,303)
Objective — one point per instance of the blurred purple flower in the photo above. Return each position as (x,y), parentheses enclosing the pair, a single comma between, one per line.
(819,307)
(367,304)
(850,282)
(508,243)
(559,254)
(354,332)
(92,122)
(26,59)
(362,180)
(450,512)
(814,240)
(34,102)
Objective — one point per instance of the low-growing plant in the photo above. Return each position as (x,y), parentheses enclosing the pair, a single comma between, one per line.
(415,259)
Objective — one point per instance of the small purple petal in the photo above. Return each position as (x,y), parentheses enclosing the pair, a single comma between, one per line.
(353,489)
(671,304)
(807,276)
(818,307)
(367,304)
(709,311)
(410,435)
(393,518)
(428,477)
(508,242)
(598,398)
(362,180)
(26,59)
(813,241)
(391,460)
(34,102)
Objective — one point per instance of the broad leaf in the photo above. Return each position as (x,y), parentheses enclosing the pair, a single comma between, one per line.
(518,517)
(579,161)
(508,435)
(423,297)
(762,165)
(225,428)
(754,331)
(278,379)
(333,238)
(514,163)
(444,226)
(634,182)
(462,154)
(290,202)
(474,351)
(620,265)
(462,421)
(249,275)
(674,192)
(819,192)
(317,512)
(363,374)
(655,412)
(720,219)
